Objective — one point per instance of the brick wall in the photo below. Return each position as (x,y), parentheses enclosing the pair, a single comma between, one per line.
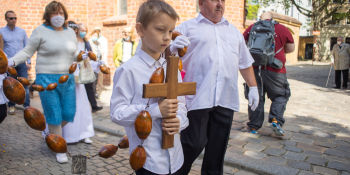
(100,13)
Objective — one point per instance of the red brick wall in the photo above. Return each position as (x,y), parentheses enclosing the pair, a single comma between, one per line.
(94,12)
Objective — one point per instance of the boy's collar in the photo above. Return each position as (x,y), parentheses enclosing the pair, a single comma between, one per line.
(150,61)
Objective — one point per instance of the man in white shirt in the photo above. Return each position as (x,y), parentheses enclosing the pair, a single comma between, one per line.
(99,46)
(216,51)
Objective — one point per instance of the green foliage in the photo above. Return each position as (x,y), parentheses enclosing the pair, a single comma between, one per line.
(252,11)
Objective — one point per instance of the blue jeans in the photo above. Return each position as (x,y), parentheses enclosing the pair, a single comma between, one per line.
(22,72)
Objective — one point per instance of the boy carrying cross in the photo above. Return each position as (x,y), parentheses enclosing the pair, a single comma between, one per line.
(155,23)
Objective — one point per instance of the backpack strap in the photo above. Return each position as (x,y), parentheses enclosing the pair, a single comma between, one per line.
(279,50)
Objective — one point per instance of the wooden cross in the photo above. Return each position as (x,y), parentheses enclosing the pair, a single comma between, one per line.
(170,90)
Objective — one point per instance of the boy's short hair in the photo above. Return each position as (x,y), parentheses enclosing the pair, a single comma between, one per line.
(149,9)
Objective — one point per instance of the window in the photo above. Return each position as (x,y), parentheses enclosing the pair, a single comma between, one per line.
(309,3)
(347,40)
(122,7)
(286,11)
(348,20)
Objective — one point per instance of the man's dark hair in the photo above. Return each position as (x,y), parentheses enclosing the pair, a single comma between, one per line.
(7,12)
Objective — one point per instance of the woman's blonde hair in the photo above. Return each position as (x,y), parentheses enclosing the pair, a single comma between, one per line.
(149,9)
(51,8)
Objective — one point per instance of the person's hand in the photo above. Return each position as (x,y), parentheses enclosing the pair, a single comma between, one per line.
(171,125)
(85,55)
(168,107)
(10,63)
(253,98)
(180,42)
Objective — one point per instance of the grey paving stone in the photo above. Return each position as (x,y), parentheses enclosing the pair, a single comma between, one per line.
(261,167)
(254,154)
(294,156)
(299,165)
(289,143)
(312,147)
(274,151)
(317,160)
(254,147)
(303,172)
(337,152)
(345,173)
(327,144)
(324,170)
(245,173)
(276,160)
(293,149)
(339,165)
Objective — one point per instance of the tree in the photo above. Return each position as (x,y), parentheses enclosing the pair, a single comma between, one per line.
(323,13)
(252,7)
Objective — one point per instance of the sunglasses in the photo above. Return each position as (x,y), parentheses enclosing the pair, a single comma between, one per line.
(12,18)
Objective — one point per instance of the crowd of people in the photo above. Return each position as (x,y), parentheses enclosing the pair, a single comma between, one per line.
(216,52)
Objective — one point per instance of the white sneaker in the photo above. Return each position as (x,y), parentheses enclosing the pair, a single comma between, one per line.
(61,158)
(12,110)
(87,140)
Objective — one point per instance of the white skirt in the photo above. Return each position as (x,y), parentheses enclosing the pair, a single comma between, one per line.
(82,126)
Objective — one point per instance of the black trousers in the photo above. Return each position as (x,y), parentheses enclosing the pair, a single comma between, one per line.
(210,129)
(276,86)
(3,112)
(338,78)
(143,171)
(90,91)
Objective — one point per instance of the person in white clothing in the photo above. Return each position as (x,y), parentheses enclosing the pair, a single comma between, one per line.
(82,127)
(99,45)
(216,52)
(154,23)
(3,100)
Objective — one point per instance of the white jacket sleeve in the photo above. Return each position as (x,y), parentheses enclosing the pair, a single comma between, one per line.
(121,110)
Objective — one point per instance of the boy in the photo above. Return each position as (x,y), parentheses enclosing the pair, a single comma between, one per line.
(154,23)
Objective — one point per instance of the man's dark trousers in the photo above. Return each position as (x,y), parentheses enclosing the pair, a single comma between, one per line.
(277,88)
(210,129)
(338,78)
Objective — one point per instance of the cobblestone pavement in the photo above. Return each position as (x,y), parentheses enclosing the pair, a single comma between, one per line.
(23,151)
(317,139)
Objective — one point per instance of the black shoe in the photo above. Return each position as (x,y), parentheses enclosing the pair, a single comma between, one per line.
(97,108)
(335,87)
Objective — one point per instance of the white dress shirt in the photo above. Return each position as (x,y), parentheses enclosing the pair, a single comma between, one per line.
(127,103)
(3,99)
(216,53)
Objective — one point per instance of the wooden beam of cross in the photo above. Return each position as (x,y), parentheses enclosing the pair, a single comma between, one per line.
(170,90)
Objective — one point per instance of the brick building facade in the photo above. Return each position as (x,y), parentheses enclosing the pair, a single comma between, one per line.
(111,15)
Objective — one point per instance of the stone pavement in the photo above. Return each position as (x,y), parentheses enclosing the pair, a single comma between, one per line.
(317,139)
(23,150)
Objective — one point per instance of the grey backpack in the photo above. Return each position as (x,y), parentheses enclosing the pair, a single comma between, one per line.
(261,43)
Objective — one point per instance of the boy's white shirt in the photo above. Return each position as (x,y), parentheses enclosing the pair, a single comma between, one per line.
(127,103)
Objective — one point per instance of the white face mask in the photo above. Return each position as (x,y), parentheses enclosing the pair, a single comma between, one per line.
(339,42)
(57,21)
